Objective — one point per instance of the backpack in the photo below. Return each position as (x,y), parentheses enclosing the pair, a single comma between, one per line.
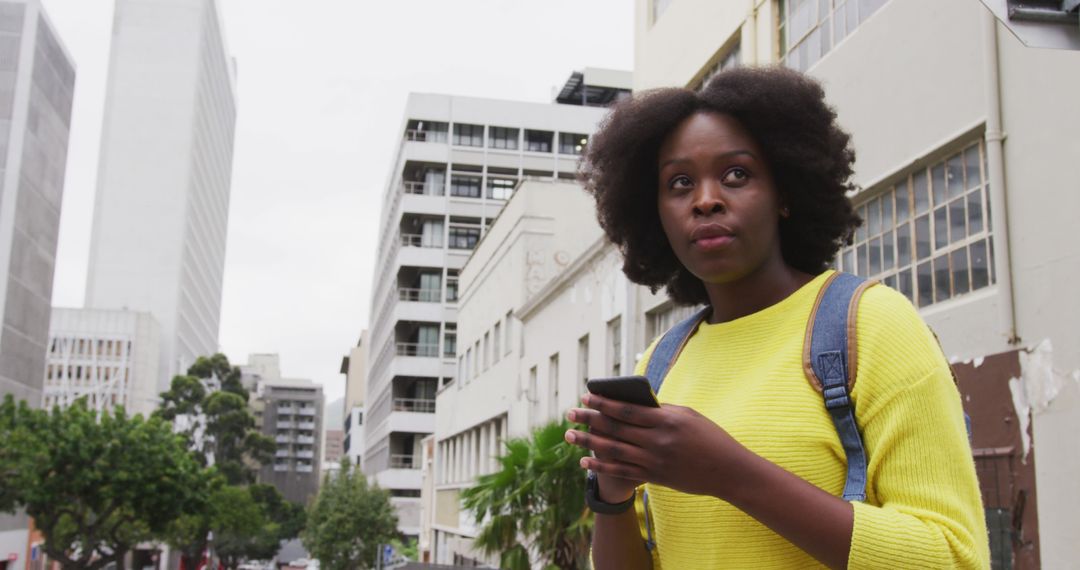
(830,359)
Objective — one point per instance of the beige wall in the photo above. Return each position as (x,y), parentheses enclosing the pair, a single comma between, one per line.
(909,83)
(356,375)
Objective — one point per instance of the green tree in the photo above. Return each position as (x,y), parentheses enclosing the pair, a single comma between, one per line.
(230,435)
(534,503)
(96,486)
(348,521)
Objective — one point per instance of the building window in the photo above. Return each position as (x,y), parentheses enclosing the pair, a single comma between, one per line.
(476,359)
(451,285)
(509,324)
(809,29)
(500,188)
(538,141)
(731,58)
(930,235)
(463,238)
(583,359)
(658,8)
(496,336)
(468,135)
(614,330)
(449,340)
(487,350)
(465,186)
(426,131)
(553,384)
(503,138)
(662,318)
(572,143)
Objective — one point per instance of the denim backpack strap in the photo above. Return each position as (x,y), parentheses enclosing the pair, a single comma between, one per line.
(669,346)
(830,360)
(665,352)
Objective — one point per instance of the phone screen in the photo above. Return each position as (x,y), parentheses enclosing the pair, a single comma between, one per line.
(629,389)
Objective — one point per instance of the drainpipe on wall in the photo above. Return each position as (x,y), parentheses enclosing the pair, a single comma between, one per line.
(995,161)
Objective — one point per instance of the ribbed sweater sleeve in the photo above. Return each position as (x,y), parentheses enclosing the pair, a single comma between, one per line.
(924,506)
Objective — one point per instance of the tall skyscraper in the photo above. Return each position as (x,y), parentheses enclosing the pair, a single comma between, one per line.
(162,203)
(37,79)
(460,159)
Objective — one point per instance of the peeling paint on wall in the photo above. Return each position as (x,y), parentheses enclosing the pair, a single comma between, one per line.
(1037,387)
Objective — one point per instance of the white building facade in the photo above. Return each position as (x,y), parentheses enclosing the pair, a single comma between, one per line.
(108,357)
(459,161)
(544,307)
(161,210)
(37,80)
(966,163)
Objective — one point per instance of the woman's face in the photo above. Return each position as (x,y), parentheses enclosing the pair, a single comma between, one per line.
(716,198)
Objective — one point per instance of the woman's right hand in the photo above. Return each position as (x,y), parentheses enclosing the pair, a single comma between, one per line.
(612,489)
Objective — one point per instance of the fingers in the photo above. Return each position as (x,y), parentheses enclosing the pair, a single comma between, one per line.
(604,425)
(643,416)
(630,472)
(607,448)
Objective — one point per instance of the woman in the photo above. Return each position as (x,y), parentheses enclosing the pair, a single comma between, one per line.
(736,198)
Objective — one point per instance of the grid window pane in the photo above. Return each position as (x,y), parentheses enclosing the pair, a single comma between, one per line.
(957,218)
(959,260)
(941,278)
(946,250)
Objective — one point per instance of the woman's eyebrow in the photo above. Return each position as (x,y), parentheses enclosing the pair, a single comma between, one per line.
(728,154)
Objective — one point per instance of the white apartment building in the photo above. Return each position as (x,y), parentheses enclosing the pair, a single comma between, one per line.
(967,150)
(37,79)
(353,367)
(459,161)
(162,204)
(108,357)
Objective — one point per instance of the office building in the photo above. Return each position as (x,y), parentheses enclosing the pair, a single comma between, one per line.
(459,161)
(966,166)
(292,414)
(353,367)
(37,79)
(162,204)
(108,357)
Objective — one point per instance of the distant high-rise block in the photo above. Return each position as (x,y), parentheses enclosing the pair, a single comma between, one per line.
(37,78)
(162,204)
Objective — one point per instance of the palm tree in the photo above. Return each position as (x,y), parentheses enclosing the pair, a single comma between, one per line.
(535,502)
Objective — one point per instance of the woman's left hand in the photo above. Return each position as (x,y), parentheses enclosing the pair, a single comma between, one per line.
(673,446)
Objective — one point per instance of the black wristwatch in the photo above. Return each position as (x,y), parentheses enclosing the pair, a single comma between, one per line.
(592,499)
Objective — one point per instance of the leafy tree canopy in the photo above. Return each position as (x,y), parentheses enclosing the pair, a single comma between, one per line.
(96,486)
(348,521)
(534,503)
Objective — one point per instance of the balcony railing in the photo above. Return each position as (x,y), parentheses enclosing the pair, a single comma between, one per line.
(305,439)
(304,468)
(421,188)
(285,410)
(417,349)
(402,461)
(281,467)
(306,425)
(419,295)
(283,438)
(281,453)
(417,240)
(308,411)
(305,454)
(421,405)
(286,424)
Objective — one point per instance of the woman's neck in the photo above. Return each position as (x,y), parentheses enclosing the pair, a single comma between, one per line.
(765,287)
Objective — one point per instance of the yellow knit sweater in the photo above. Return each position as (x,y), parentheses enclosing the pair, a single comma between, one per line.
(923,507)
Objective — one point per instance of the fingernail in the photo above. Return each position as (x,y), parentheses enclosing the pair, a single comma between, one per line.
(571,437)
(584,463)
(571,415)
(585,399)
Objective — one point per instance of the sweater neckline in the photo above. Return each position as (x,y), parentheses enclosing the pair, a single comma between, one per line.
(781,309)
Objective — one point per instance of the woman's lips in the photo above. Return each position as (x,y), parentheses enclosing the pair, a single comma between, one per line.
(715,242)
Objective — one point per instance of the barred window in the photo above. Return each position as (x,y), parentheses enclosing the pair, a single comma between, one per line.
(468,135)
(503,138)
(810,28)
(930,235)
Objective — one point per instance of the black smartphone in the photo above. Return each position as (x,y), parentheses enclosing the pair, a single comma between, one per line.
(629,389)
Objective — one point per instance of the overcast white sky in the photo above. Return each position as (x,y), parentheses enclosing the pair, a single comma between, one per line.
(322,87)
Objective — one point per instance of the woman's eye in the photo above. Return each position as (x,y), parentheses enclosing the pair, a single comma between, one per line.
(736,176)
(681,181)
